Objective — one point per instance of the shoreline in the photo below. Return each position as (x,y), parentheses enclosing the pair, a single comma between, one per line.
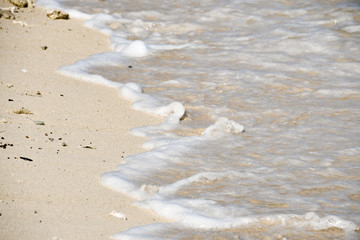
(50,173)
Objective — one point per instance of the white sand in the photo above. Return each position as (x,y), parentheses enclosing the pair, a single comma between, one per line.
(58,194)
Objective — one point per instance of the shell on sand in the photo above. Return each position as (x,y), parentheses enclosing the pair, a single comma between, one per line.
(19,3)
(6,14)
(56,14)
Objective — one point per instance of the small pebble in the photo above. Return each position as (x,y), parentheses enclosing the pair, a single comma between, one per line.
(44,47)
(39,122)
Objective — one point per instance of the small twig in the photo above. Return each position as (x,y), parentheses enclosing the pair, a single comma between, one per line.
(26,159)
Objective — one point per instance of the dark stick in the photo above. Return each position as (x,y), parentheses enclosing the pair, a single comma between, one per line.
(26,159)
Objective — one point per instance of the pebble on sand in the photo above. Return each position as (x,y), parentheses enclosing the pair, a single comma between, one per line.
(39,122)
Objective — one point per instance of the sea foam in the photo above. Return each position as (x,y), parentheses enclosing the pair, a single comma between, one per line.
(287,73)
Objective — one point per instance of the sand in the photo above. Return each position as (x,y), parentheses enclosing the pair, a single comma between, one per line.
(58,194)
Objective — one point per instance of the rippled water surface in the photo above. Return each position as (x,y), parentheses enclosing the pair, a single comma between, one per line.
(288,71)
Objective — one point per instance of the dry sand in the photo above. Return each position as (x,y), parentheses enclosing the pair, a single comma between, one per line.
(58,194)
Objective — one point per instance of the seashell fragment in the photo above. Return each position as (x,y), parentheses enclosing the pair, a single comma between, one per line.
(23,24)
(22,111)
(6,14)
(56,14)
(118,215)
(11,9)
(30,3)
(19,3)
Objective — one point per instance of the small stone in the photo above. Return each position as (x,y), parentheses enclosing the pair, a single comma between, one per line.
(9,85)
(64,144)
(56,14)
(44,47)
(39,122)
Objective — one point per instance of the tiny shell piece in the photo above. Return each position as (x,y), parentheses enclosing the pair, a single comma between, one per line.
(56,14)
(6,14)
(118,214)
(19,3)
(22,111)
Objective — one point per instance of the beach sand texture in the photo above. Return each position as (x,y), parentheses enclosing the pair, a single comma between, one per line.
(58,135)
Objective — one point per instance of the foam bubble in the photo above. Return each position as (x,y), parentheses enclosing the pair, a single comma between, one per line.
(223,126)
(136,49)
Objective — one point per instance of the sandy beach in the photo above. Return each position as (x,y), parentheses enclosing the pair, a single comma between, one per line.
(58,135)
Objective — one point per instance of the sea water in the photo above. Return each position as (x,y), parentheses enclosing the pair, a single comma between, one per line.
(261,101)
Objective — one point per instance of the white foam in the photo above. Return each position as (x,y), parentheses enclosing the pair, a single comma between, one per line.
(135,49)
(281,79)
(80,68)
(49,4)
(352,29)
(223,126)
(337,92)
(100,22)
(144,102)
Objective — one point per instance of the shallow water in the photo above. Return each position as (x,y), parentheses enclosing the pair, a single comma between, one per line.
(287,71)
